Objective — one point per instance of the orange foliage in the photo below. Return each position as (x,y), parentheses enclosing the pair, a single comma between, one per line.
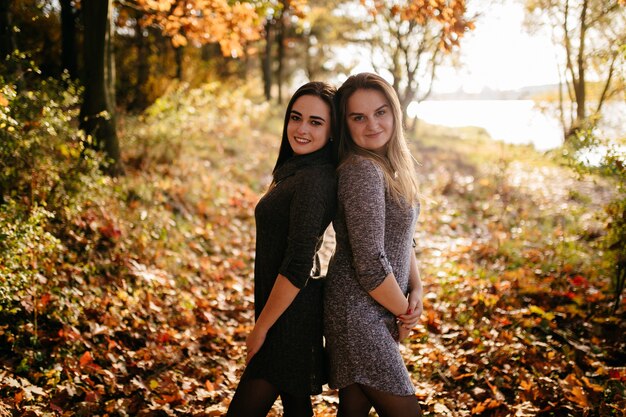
(204,21)
(450,14)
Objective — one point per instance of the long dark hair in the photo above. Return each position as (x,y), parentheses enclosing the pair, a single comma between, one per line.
(324,91)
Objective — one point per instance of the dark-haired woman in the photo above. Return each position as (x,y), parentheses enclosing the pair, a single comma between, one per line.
(285,348)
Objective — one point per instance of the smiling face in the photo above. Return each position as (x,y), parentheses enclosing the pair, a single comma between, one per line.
(370,119)
(308,129)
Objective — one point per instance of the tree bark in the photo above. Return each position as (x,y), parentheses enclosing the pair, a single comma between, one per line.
(280,43)
(7,39)
(97,113)
(140,101)
(178,53)
(69,54)
(267,61)
(580,93)
(605,91)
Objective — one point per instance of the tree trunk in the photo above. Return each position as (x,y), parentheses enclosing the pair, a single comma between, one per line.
(279,74)
(7,40)
(140,101)
(69,60)
(97,113)
(580,86)
(308,61)
(280,43)
(209,50)
(604,96)
(267,61)
(178,53)
(8,45)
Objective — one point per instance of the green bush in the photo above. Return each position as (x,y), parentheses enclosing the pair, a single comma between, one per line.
(611,165)
(45,169)
(24,247)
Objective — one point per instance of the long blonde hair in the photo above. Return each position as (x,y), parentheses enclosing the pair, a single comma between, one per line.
(398,165)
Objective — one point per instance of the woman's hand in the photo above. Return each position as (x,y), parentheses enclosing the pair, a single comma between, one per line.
(403,332)
(255,340)
(412,316)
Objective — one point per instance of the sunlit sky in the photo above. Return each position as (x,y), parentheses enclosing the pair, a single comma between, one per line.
(499,54)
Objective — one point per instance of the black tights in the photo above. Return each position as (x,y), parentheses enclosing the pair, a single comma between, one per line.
(255,397)
(356,400)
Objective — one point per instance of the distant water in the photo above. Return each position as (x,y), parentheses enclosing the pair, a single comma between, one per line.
(512,121)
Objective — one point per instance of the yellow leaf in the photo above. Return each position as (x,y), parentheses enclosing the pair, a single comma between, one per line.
(179,40)
(154,384)
(591,385)
(3,101)
(526,385)
(540,312)
(577,395)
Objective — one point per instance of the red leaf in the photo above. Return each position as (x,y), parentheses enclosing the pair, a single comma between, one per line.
(86,359)
(110,231)
(45,300)
(579,281)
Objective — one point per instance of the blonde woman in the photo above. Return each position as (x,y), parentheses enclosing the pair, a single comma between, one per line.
(373,291)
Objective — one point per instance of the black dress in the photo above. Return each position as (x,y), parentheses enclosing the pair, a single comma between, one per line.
(291,219)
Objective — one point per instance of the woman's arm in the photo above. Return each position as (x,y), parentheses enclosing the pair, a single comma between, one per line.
(415,287)
(389,295)
(411,318)
(282,295)
(312,207)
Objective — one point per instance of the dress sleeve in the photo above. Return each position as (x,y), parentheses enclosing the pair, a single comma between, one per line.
(361,189)
(308,215)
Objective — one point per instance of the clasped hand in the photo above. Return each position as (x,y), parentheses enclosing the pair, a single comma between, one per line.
(407,321)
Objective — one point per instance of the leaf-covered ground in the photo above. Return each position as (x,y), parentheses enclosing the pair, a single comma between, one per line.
(146,312)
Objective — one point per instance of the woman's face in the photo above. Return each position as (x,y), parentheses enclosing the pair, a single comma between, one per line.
(308,129)
(370,119)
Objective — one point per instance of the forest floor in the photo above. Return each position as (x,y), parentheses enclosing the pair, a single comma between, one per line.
(151,317)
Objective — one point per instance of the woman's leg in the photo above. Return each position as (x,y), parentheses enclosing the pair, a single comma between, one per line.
(353,402)
(296,406)
(253,398)
(390,405)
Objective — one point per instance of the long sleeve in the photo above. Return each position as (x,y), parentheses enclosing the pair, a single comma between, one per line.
(310,213)
(361,189)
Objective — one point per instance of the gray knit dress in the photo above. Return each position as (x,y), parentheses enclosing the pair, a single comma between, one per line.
(374,237)
(290,222)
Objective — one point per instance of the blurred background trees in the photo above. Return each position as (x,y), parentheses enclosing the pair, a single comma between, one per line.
(591,35)
(155,44)
(120,56)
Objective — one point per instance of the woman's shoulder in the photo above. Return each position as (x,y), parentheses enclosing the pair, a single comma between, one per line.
(323,175)
(360,166)
(325,169)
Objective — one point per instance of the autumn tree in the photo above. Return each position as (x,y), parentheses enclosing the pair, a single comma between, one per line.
(321,32)
(34,32)
(200,22)
(69,55)
(591,35)
(279,19)
(409,39)
(97,113)
(7,42)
